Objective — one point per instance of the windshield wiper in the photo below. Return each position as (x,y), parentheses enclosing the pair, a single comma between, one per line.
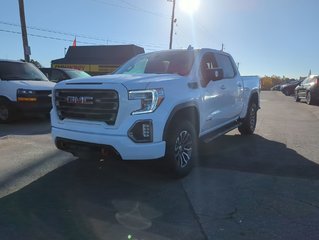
(33,79)
(11,78)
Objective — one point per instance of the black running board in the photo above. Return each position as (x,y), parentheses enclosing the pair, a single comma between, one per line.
(219,132)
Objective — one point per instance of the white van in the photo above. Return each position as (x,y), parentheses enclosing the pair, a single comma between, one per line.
(23,89)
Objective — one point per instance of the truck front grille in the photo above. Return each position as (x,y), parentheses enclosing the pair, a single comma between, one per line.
(43,96)
(89,104)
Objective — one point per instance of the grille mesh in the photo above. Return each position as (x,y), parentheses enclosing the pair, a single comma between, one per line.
(91,105)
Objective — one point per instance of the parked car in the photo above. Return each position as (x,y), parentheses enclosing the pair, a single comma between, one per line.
(276,87)
(23,89)
(289,88)
(136,112)
(59,74)
(308,90)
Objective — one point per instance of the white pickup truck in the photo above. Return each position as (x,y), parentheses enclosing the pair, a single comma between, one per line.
(158,105)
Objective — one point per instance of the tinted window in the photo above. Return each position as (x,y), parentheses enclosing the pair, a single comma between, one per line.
(208,62)
(57,75)
(138,68)
(46,72)
(20,71)
(173,62)
(225,63)
(305,81)
(76,73)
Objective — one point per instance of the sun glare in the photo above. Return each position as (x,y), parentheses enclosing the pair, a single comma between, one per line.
(189,6)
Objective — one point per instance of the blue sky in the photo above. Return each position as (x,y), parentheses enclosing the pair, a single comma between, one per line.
(266,37)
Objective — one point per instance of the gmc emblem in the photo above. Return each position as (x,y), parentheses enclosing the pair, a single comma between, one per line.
(79,100)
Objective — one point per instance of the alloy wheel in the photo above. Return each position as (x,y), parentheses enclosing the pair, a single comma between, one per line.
(183,148)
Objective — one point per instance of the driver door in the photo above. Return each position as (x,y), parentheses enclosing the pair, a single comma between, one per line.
(213,96)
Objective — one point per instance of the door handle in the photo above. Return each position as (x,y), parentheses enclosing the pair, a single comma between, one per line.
(222,87)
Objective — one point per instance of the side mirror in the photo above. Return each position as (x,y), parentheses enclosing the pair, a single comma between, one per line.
(215,74)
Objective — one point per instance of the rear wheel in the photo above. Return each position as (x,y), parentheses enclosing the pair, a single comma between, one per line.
(249,122)
(6,112)
(286,92)
(309,99)
(181,148)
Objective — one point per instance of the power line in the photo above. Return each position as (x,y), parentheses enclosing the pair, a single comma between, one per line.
(47,37)
(78,35)
(54,31)
(130,7)
(144,10)
(70,40)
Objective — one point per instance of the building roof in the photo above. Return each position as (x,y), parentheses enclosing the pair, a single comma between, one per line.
(100,54)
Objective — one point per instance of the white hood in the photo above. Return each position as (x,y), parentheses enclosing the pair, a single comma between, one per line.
(32,85)
(136,81)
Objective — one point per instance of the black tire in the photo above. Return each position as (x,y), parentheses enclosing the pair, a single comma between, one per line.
(297,99)
(181,148)
(7,113)
(309,99)
(286,92)
(248,125)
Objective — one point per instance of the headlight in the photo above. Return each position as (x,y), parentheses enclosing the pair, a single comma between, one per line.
(24,92)
(150,99)
(26,95)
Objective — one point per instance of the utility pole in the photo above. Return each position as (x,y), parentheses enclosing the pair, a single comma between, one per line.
(172,25)
(26,48)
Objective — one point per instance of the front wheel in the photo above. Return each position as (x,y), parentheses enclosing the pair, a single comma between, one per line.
(248,125)
(181,148)
(297,99)
(6,112)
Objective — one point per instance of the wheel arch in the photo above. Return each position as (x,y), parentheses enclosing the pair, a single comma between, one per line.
(3,98)
(182,111)
(254,96)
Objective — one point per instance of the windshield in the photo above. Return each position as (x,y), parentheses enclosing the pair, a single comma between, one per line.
(174,62)
(20,71)
(76,73)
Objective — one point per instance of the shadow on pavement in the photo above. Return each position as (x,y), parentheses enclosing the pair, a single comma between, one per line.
(26,126)
(119,200)
(100,200)
(257,155)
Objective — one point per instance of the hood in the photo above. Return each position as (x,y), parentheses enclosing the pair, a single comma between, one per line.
(136,81)
(33,85)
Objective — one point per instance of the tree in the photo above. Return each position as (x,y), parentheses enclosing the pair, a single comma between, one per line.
(34,62)
(268,82)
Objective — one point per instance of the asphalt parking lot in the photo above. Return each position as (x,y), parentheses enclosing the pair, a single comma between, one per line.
(264,186)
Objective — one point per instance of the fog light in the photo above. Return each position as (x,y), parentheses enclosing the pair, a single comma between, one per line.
(141,131)
(146,130)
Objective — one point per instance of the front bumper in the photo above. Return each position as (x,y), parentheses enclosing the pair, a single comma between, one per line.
(125,147)
(33,107)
